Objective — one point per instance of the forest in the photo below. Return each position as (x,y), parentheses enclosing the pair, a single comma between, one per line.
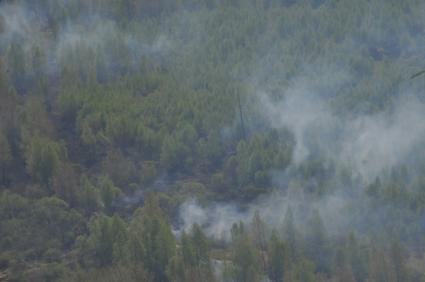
(212,140)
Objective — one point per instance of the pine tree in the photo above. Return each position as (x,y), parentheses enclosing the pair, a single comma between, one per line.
(317,245)
(43,157)
(278,256)
(290,234)
(157,239)
(5,158)
(259,237)
(398,257)
(246,261)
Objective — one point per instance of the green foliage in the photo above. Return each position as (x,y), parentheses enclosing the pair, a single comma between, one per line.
(192,262)
(303,271)
(317,244)
(173,153)
(34,120)
(89,198)
(279,263)
(113,273)
(42,228)
(261,153)
(290,234)
(5,151)
(43,157)
(108,193)
(246,261)
(155,235)
(148,173)
(102,101)
(107,239)
(65,184)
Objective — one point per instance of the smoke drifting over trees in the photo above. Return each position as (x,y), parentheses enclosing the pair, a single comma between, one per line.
(210,140)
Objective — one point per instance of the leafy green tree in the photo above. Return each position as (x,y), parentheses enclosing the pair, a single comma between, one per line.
(176,269)
(172,153)
(65,183)
(117,272)
(17,66)
(107,239)
(317,243)
(237,231)
(343,271)
(5,158)
(358,258)
(108,193)
(258,231)
(380,267)
(279,259)
(121,169)
(35,120)
(156,237)
(259,154)
(210,150)
(290,234)
(192,263)
(201,253)
(246,266)
(9,101)
(43,157)
(88,196)
(36,230)
(176,152)
(303,272)
(55,219)
(398,257)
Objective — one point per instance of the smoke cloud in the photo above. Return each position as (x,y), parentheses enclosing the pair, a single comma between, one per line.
(367,145)
(83,41)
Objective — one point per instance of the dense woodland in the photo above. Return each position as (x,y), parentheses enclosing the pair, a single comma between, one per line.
(114,113)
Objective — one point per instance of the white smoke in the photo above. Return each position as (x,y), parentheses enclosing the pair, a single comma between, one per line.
(367,144)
